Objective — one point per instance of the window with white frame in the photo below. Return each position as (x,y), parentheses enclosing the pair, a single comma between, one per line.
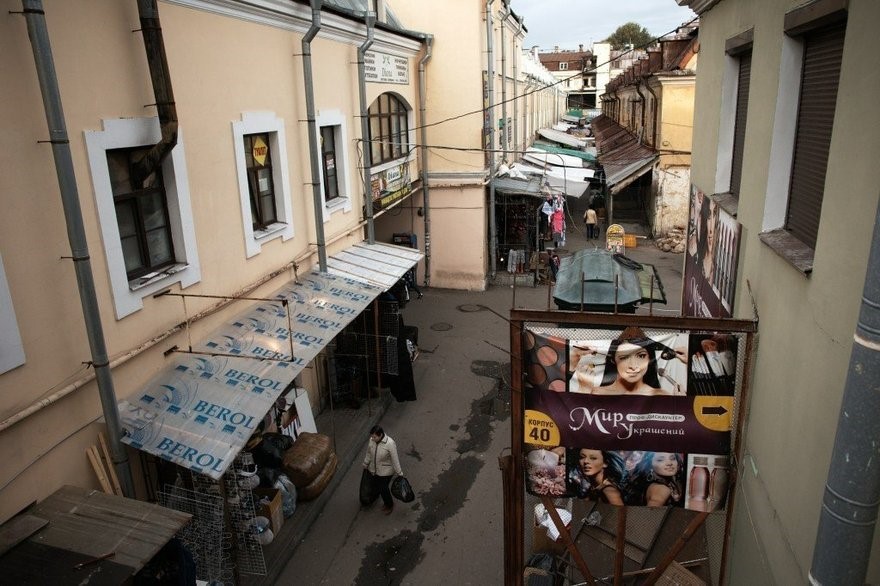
(335,187)
(147,228)
(811,62)
(563,65)
(11,348)
(260,149)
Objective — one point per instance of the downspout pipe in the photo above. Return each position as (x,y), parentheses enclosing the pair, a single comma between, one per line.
(370,20)
(314,148)
(505,131)
(490,76)
(653,115)
(426,188)
(160,76)
(848,516)
(516,57)
(45,64)
(643,102)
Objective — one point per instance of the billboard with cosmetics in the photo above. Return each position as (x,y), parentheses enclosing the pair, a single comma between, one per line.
(711,259)
(630,416)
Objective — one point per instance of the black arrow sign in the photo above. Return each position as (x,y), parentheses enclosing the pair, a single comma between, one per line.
(717,410)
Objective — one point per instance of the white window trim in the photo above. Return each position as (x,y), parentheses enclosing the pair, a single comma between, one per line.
(726,124)
(343,202)
(784,130)
(255,123)
(11,348)
(134,132)
(563,66)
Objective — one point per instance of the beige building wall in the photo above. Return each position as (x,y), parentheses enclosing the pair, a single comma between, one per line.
(223,70)
(806,320)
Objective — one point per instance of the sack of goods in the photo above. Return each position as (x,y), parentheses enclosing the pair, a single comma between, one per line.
(402,490)
(310,464)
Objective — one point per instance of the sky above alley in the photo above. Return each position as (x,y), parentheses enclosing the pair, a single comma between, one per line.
(569,23)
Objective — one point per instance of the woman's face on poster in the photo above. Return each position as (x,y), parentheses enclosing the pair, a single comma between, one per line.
(711,227)
(664,464)
(591,462)
(632,362)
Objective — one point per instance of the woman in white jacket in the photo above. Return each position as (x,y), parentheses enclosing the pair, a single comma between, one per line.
(383,463)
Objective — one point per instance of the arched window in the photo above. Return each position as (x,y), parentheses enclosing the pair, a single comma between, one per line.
(389,129)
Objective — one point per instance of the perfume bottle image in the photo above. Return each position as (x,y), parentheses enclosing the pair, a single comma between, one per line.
(718,480)
(698,484)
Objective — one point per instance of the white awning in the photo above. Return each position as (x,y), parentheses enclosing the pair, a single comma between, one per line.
(201,410)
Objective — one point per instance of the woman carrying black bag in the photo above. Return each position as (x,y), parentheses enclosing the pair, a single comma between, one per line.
(383,463)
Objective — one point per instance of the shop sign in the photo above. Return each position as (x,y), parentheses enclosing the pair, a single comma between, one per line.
(614,238)
(390,185)
(385,68)
(259,151)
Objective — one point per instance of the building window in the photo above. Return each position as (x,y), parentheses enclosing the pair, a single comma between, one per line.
(147,230)
(823,53)
(334,179)
(812,53)
(328,163)
(389,129)
(11,348)
(563,65)
(258,159)
(142,215)
(260,148)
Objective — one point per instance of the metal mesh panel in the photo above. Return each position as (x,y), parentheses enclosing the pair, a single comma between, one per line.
(203,535)
(370,342)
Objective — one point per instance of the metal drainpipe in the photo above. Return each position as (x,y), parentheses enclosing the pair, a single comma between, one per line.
(370,19)
(505,133)
(39,37)
(160,76)
(516,56)
(527,96)
(654,115)
(852,489)
(490,76)
(314,148)
(643,102)
(429,43)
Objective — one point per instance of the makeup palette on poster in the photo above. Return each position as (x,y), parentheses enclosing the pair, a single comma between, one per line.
(711,259)
(630,417)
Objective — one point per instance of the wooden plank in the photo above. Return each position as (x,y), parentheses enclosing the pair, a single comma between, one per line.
(18,529)
(93,523)
(117,488)
(98,467)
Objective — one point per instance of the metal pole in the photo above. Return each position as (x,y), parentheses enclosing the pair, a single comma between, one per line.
(39,36)
(370,19)
(852,490)
(314,149)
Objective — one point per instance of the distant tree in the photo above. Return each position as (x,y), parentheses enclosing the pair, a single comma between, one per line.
(630,33)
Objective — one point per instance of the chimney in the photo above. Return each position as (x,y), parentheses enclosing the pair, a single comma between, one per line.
(556,48)
(655,61)
(581,48)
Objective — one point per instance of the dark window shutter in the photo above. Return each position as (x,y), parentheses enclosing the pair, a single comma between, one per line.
(823,52)
(739,126)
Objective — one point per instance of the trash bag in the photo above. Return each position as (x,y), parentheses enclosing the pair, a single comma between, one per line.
(368,493)
(288,495)
(402,490)
(270,451)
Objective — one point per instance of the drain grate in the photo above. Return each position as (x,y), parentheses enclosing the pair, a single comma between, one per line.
(441,327)
(470,308)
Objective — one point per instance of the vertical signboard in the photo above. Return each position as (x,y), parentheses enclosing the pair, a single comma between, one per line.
(711,259)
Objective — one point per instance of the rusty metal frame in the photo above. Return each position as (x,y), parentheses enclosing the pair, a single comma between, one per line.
(513,472)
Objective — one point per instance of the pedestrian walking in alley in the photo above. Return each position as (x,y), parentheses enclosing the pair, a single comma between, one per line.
(591,220)
(383,463)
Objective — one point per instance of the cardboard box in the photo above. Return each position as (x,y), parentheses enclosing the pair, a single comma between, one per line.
(273,510)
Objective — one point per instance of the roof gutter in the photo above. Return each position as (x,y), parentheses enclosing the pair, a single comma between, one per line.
(314,148)
(426,188)
(160,77)
(76,235)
